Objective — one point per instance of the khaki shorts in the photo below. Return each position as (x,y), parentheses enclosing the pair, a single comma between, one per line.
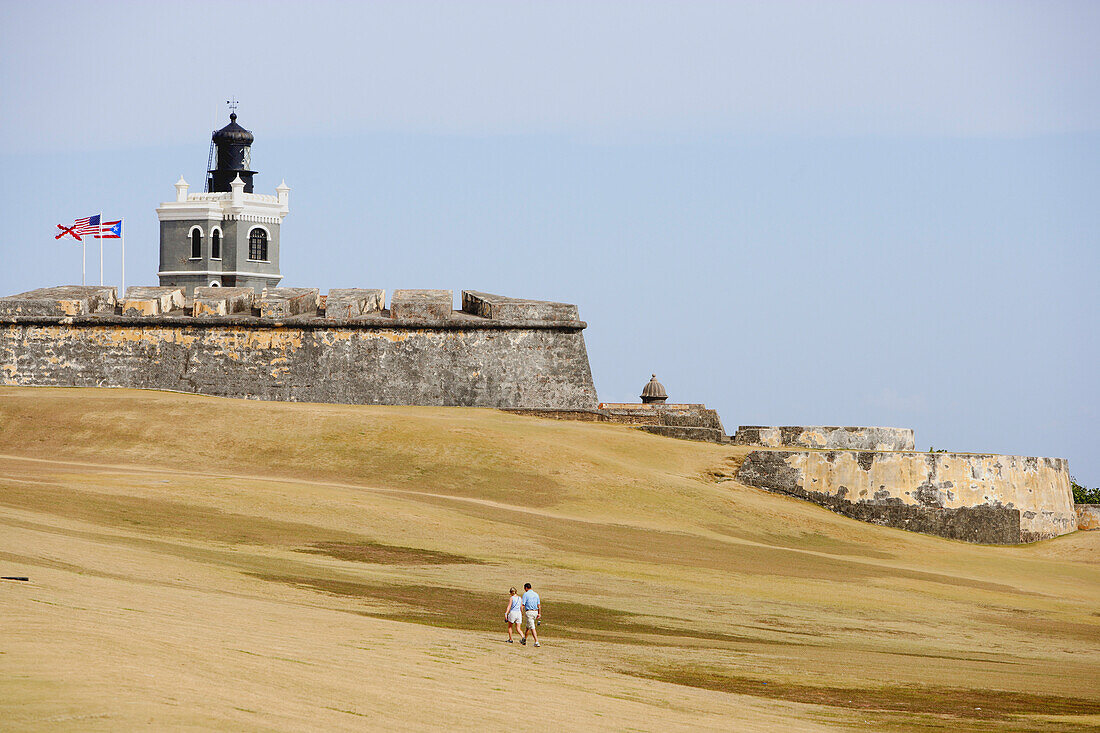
(531,616)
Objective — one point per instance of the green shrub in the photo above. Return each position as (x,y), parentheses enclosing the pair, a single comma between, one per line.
(1083,494)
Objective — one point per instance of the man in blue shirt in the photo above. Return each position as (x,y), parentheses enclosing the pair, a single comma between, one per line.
(532,610)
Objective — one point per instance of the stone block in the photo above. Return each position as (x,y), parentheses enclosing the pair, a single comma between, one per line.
(144,300)
(63,300)
(365,361)
(1088,516)
(686,432)
(977,497)
(501,308)
(353,302)
(223,301)
(688,416)
(830,437)
(286,302)
(431,305)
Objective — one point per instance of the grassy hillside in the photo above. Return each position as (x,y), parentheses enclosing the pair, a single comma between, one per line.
(208,563)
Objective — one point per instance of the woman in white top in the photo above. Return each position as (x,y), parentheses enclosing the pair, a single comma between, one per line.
(513,614)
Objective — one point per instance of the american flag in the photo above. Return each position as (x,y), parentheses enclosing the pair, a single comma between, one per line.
(87,225)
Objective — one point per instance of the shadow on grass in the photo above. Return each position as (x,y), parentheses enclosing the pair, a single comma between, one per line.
(191,521)
(375,552)
(453,608)
(994,706)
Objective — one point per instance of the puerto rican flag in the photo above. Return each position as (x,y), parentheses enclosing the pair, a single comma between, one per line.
(109,230)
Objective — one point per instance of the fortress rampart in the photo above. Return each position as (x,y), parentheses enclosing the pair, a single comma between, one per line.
(431,355)
(821,436)
(528,356)
(974,497)
(687,421)
(217,325)
(1088,516)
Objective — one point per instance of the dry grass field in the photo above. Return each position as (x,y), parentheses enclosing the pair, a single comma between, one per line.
(209,564)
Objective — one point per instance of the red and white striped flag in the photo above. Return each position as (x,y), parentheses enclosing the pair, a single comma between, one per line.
(80,227)
(87,225)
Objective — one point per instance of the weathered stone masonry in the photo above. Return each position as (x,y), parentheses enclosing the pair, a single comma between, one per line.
(689,422)
(1088,516)
(463,360)
(822,436)
(974,497)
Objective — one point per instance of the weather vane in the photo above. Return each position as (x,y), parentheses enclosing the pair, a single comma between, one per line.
(233,103)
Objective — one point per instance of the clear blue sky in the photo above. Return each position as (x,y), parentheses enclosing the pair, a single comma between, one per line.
(842,213)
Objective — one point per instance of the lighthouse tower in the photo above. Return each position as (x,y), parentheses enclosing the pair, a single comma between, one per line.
(229,235)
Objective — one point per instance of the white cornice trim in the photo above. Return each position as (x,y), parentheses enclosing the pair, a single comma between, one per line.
(254,217)
(236,273)
(220,206)
(181,211)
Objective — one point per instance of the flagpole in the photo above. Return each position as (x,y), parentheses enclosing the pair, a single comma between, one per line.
(83,261)
(122,224)
(100,235)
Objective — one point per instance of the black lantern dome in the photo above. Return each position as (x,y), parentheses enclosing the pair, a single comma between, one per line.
(233,133)
(233,146)
(654,392)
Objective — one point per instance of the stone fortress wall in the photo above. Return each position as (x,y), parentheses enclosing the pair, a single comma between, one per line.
(498,352)
(984,498)
(687,421)
(521,355)
(837,438)
(684,421)
(1088,516)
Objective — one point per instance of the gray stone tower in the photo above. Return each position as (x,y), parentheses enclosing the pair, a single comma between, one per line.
(227,236)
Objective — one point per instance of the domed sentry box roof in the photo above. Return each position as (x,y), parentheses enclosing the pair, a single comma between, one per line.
(654,392)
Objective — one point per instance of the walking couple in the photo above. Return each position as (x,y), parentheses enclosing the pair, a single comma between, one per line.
(527,606)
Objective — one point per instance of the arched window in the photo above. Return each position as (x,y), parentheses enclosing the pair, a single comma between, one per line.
(215,284)
(257,244)
(216,244)
(196,243)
